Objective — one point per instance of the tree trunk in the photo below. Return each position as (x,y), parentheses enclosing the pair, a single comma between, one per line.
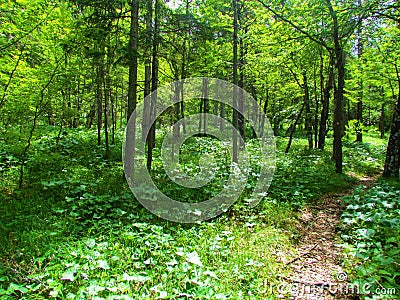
(392,162)
(360,92)
(107,93)
(241,119)
(222,115)
(293,129)
(308,127)
(205,104)
(382,124)
(133,58)
(147,69)
(325,107)
(151,140)
(264,112)
(99,95)
(339,92)
(113,115)
(235,81)
(316,100)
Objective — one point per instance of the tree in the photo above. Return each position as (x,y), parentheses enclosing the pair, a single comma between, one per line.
(392,162)
(333,38)
(133,57)
(235,120)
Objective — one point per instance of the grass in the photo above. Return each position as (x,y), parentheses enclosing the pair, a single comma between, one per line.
(75,231)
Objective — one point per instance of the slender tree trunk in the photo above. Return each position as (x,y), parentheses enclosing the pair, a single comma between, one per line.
(185,58)
(276,119)
(308,126)
(35,119)
(107,93)
(359,137)
(264,114)
(215,112)
(216,106)
(255,112)
(5,90)
(235,81)
(151,140)
(177,111)
(325,106)
(241,119)
(293,128)
(77,114)
(205,104)
(133,58)
(176,116)
(382,121)
(90,116)
(316,101)
(222,115)
(147,69)
(106,120)
(382,124)
(113,99)
(99,96)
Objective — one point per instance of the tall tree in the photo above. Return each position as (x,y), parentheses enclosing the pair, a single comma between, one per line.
(133,57)
(151,138)
(333,38)
(147,67)
(360,83)
(235,120)
(392,162)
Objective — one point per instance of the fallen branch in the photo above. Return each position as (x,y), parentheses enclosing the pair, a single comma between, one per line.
(303,254)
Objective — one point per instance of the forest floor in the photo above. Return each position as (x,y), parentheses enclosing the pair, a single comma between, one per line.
(317,272)
(74,230)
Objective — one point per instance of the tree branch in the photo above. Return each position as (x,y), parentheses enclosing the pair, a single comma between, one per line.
(29,32)
(297,27)
(9,80)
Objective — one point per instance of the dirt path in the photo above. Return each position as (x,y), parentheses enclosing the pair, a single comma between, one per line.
(316,273)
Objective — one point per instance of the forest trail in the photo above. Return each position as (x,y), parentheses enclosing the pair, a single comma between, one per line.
(318,264)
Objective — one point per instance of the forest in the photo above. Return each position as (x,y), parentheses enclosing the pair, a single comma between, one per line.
(199,149)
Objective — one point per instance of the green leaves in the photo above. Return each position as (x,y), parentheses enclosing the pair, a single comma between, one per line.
(372,232)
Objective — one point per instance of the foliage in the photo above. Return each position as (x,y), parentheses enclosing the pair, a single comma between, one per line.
(72,229)
(75,231)
(371,230)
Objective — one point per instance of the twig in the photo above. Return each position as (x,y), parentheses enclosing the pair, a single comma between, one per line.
(303,254)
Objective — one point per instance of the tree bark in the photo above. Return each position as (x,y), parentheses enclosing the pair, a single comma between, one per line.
(359,137)
(147,68)
(325,107)
(316,101)
(293,129)
(99,95)
(151,139)
(308,112)
(235,81)
(339,92)
(392,162)
(133,58)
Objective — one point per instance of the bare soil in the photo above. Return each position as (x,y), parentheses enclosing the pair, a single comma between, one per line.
(316,272)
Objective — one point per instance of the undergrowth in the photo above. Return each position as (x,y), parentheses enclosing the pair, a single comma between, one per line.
(372,237)
(75,231)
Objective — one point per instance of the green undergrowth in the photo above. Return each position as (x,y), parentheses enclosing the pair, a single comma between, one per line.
(371,231)
(75,231)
